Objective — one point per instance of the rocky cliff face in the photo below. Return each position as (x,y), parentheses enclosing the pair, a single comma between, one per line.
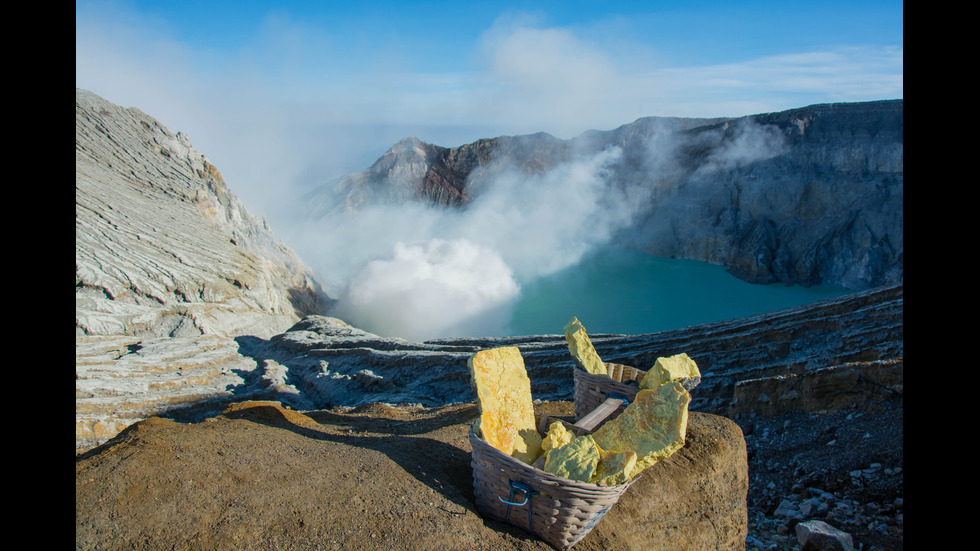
(169,269)
(162,247)
(807,196)
(812,195)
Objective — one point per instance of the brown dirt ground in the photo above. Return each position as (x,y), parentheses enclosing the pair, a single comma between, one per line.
(379,477)
(263,477)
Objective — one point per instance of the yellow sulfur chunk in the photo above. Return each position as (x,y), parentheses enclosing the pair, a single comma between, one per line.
(614,468)
(557,437)
(503,392)
(670,369)
(576,460)
(580,347)
(653,426)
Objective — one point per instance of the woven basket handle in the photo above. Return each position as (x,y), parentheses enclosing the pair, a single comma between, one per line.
(528,491)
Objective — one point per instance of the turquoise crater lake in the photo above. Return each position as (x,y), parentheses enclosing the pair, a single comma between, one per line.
(628,292)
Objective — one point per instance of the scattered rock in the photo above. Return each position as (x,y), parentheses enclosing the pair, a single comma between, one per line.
(816,535)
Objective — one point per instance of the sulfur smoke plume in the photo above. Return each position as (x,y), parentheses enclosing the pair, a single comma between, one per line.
(420,272)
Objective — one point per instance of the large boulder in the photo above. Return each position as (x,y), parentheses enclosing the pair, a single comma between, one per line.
(693,499)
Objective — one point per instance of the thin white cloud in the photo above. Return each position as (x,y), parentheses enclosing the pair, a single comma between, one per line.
(295,97)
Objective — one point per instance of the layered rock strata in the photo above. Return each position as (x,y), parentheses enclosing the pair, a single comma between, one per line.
(122,379)
(162,246)
(323,362)
(170,268)
(331,363)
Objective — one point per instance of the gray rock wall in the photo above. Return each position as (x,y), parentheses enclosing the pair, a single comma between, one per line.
(805,196)
(808,196)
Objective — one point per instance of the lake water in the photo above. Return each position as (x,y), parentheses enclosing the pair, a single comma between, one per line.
(621,291)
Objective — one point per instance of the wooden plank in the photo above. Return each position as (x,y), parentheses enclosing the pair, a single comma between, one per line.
(594,418)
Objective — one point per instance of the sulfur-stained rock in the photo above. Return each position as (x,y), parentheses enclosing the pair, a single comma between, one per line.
(674,368)
(503,392)
(557,437)
(576,460)
(614,467)
(580,347)
(653,425)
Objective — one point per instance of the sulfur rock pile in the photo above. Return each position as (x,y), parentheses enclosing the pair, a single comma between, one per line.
(652,427)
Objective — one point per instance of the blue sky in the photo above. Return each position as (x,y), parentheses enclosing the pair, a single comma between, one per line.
(284,95)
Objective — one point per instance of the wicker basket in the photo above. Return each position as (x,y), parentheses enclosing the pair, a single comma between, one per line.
(591,390)
(554,509)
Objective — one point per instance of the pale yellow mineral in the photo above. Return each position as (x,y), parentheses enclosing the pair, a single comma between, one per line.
(557,437)
(671,369)
(503,392)
(576,460)
(614,467)
(580,346)
(653,426)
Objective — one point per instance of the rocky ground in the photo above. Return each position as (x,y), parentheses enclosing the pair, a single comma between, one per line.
(845,468)
(822,443)
(381,477)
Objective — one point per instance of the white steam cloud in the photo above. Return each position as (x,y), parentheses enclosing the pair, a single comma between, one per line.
(750,143)
(435,289)
(419,273)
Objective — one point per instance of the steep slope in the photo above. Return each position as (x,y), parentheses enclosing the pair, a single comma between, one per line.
(812,195)
(170,268)
(162,247)
(808,196)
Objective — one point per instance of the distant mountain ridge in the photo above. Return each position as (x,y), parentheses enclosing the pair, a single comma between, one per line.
(810,195)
